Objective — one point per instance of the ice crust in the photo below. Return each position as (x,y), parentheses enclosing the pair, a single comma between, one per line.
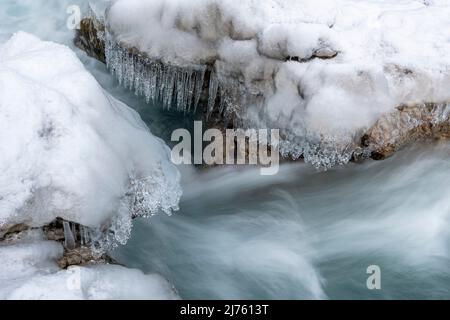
(28,270)
(70,150)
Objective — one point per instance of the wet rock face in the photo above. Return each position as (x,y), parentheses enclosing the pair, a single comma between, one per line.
(406,125)
(90,38)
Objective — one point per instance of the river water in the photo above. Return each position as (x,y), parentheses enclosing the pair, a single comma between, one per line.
(300,234)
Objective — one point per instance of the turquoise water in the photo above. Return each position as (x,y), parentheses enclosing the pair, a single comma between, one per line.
(300,234)
(305,234)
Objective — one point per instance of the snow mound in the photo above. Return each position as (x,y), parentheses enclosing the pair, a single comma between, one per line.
(29,271)
(71,150)
(321,71)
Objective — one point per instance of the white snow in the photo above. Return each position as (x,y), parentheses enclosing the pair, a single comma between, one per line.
(389,52)
(70,150)
(28,270)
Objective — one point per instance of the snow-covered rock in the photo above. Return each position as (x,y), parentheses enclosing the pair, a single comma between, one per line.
(28,270)
(70,150)
(321,71)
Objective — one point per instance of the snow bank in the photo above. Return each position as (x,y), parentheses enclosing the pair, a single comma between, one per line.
(322,71)
(70,150)
(28,270)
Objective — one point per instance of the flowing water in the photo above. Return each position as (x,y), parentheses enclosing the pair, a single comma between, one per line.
(299,234)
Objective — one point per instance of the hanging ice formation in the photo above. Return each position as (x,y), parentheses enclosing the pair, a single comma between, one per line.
(84,236)
(182,88)
(69,235)
(75,234)
(212,93)
(175,86)
(172,85)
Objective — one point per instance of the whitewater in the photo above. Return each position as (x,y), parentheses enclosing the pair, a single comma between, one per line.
(301,234)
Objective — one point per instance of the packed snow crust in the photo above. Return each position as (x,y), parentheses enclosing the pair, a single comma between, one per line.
(70,150)
(322,71)
(28,270)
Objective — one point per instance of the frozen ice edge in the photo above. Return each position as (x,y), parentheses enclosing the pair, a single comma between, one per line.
(138,173)
(57,128)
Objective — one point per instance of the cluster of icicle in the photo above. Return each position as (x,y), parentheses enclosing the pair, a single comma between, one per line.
(183,87)
(172,85)
(145,198)
(75,233)
(100,239)
(156,81)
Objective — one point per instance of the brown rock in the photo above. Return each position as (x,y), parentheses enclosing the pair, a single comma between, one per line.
(407,124)
(12,229)
(90,38)
(82,256)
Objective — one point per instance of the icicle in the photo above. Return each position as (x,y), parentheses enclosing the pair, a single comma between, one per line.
(139,77)
(74,232)
(69,240)
(212,94)
(87,237)
(185,90)
(199,80)
(128,70)
(181,86)
(223,101)
(168,87)
(156,81)
(82,235)
(189,92)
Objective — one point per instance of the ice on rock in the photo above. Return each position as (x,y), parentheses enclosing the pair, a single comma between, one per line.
(69,235)
(212,93)
(321,71)
(70,150)
(156,81)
